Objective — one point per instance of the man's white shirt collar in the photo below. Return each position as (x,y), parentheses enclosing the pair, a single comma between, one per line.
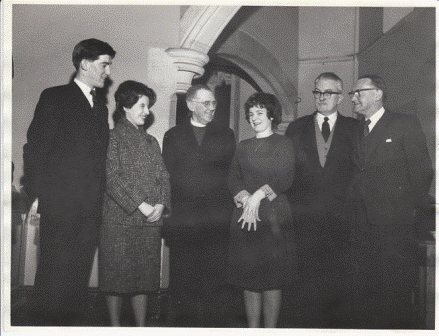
(332,119)
(375,118)
(86,90)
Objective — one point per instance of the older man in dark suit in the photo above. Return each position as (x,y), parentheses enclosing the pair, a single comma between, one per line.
(324,144)
(392,177)
(64,162)
(197,155)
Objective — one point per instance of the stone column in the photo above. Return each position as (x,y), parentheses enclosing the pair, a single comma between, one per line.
(189,65)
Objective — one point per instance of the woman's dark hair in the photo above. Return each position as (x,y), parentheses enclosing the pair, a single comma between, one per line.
(128,93)
(90,49)
(267,101)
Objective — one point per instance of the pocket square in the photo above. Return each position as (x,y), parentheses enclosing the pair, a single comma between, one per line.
(389,140)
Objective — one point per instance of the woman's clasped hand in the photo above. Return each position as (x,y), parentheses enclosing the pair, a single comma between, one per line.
(250,213)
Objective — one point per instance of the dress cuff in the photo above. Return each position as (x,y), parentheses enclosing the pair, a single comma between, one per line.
(239,196)
(269,193)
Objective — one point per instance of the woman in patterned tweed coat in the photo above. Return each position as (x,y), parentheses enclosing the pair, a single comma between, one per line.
(137,197)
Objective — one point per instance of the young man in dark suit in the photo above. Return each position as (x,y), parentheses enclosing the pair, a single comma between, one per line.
(197,155)
(324,144)
(64,161)
(393,173)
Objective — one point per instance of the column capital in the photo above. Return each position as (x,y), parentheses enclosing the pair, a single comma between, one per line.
(189,65)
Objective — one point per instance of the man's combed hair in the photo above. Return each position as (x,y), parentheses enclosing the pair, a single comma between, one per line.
(330,76)
(378,82)
(192,91)
(90,49)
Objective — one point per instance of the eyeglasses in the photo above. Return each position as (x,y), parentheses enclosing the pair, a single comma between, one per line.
(207,103)
(326,94)
(358,92)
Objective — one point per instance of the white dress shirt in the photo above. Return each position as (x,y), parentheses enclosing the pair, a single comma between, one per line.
(86,90)
(332,119)
(374,119)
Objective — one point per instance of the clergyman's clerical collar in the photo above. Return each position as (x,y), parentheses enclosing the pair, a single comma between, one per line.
(196,123)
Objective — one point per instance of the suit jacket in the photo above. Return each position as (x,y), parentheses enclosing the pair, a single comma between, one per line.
(316,187)
(199,192)
(393,172)
(135,173)
(64,157)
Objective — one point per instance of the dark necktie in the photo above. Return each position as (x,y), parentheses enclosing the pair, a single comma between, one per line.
(366,128)
(325,129)
(93,94)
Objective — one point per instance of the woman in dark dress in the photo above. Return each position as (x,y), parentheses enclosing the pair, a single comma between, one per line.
(137,194)
(262,257)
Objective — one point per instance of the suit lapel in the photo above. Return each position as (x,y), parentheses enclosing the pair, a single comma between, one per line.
(358,153)
(80,99)
(377,135)
(336,137)
(311,141)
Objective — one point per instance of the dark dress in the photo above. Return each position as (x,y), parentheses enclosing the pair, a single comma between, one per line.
(130,247)
(264,259)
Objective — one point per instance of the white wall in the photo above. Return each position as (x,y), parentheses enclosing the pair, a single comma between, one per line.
(276,29)
(43,41)
(405,57)
(327,41)
(392,15)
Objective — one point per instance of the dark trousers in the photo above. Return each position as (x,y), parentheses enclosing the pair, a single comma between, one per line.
(198,275)
(323,243)
(67,248)
(383,275)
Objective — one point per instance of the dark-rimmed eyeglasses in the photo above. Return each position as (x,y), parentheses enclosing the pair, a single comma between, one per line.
(358,92)
(207,103)
(327,94)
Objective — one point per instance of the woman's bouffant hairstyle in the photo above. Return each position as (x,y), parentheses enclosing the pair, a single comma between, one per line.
(267,101)
(128,94)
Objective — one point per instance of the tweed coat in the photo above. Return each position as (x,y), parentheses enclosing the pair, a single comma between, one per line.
(129,255)
(134,175)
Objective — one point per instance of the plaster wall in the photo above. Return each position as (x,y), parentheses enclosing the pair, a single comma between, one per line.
(327,43)
(392,15)
(405,58)
(43,41)
(276,28)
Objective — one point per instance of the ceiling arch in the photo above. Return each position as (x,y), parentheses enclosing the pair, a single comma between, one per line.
(200,27)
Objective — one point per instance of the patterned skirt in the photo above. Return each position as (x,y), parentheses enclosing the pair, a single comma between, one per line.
(129,259)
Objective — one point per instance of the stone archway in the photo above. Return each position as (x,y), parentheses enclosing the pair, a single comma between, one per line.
(262,66)
(200,26)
